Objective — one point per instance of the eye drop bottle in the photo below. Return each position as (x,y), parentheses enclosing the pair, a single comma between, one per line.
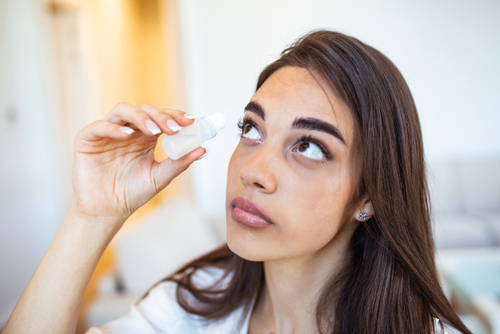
(192,136)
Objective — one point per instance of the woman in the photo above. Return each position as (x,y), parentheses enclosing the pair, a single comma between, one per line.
(328,226)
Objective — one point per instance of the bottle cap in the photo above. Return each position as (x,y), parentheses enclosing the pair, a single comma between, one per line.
(219,122)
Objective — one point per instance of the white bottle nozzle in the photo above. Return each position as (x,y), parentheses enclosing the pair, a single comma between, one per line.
(217,122)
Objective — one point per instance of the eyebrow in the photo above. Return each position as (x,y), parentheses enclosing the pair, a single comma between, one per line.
(310,123)
(256,109)
(307,123)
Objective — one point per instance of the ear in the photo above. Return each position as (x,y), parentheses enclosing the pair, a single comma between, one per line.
(364,210)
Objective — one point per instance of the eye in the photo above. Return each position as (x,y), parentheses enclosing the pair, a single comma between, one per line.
(312,149)
(248,130)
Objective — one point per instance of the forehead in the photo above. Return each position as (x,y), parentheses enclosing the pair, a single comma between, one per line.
(293,92)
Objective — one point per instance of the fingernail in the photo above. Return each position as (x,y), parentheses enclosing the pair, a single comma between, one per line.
(172,125)
(204,155)
(126,130)
(152,127)
(189,116)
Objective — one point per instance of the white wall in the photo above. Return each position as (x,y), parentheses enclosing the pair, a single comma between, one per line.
(448,51)
(31,191)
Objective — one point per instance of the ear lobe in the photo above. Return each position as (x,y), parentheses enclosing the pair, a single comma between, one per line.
(365,210)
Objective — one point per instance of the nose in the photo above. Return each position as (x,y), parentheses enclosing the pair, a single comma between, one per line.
(258,171)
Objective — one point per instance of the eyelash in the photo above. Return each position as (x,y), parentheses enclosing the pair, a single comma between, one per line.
(243,122)
(309,139)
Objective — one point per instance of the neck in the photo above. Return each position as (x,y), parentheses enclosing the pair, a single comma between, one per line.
(288,299)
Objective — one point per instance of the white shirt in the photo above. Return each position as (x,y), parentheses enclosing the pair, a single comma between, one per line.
(159,313)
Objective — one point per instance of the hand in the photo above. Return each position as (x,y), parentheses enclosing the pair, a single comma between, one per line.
(114,171)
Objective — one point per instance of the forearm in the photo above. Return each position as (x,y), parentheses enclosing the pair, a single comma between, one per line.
(51,301)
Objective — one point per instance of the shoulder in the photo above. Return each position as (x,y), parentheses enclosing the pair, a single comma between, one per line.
(159,311)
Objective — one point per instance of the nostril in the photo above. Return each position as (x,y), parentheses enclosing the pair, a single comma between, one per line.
(259,185)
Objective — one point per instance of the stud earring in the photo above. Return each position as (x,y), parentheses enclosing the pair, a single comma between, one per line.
(362,216)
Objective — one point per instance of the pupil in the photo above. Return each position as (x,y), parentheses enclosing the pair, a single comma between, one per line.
(303,147)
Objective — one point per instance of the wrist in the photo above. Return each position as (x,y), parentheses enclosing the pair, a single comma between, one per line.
(104,226)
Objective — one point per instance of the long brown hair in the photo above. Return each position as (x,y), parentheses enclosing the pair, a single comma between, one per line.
(389,284)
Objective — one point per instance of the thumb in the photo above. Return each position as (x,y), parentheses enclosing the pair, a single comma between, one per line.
(169,169)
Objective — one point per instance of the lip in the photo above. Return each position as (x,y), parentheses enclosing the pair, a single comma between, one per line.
(248,213)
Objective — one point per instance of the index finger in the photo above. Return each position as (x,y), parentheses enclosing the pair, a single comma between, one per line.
(102,129)
(125,113)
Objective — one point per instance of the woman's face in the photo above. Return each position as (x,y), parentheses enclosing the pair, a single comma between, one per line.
(293,175)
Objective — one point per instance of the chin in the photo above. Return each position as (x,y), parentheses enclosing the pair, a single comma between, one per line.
(244,245)
(244,252)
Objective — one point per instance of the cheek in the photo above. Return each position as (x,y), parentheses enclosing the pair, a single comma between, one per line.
(310,216)
(314,211)
(316,197)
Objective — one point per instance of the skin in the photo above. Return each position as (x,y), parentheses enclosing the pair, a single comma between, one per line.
(310,202)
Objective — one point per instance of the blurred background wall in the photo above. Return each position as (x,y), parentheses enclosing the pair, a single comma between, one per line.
(65,63)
